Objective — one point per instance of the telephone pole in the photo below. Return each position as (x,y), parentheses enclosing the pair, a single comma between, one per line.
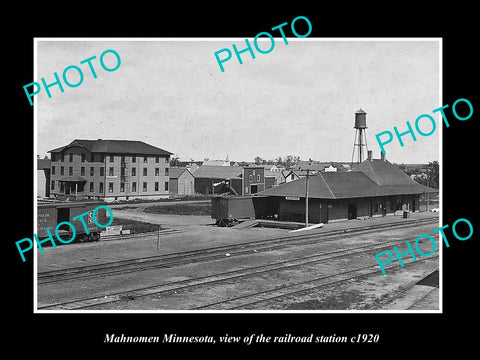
(306,199)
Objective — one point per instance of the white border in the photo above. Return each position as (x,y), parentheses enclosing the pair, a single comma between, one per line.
(35,294)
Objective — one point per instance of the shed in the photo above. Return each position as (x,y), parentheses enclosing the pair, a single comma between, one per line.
(182,181)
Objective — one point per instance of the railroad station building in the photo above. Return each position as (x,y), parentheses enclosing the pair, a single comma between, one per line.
(109,170)
(374,187)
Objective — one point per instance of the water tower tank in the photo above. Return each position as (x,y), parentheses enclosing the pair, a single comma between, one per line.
(360,119)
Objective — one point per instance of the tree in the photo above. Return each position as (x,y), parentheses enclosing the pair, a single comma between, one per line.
(433,174)
(174,160)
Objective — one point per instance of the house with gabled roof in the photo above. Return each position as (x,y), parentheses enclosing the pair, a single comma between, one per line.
(182,181)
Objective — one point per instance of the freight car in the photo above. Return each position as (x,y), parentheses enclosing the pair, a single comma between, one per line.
(51,214)
(229,210)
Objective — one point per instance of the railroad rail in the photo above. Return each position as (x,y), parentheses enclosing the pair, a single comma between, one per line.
(252,301)
(235,275)
(187,257)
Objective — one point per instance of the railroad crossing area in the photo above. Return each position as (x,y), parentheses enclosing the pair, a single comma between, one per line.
(220,268)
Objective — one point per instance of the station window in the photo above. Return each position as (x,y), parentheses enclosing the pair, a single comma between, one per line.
(258,178)
(101,170)
(110,187)
(110,171)
(157,171)
(102,157)
(82,171)
(53,184)
(134,171)
(92,157)
(83,157)
(100,187)
(144,171)
(144,159)
(134,186)
(156,185)
(144,187)
(112,158)
(53,170)
(62,157)
(167,160)
(91,186)
(134,159)
(166,185)
(54,157)
(166,171)
(62,170)
(157,159)
(122,187)
(70,170)
(70,158)
(92,171)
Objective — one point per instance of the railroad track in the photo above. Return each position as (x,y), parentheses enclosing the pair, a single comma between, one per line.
(252,301)
(187,257)
(235,275)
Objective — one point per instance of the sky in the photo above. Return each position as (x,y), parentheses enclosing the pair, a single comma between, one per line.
(299,99)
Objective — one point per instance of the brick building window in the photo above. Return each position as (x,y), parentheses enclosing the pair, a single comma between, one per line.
(134,186)
(92,171)
(166,171)
(110,171)
(166,185)
(100,187)
(144,187)
(91,186)
(101,170)
(144,171)
(144,159)
(82,171)
(110,187)
(157,171)
(134,171)
(156,185)
(122,187)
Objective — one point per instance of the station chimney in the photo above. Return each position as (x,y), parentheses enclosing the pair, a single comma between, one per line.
(360,141)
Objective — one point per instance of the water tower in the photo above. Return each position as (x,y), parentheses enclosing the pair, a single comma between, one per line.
(360,141)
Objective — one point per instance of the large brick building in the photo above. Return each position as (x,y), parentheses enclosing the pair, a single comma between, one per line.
(110,170)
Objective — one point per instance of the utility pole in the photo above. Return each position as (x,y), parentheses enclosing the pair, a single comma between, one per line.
(306,199)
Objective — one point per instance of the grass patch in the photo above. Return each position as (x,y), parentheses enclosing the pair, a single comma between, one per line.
(180,209)
(136,227)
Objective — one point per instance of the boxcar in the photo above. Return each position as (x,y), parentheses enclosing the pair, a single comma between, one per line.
(51,214)
(228,210)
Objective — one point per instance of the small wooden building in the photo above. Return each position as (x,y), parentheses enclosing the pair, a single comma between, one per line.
(182,181)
